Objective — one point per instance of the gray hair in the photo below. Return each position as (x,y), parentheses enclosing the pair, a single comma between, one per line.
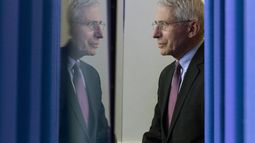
(75,10)
(187,10)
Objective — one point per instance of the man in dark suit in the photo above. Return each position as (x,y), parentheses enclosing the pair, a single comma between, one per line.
(179,113)
(82,115)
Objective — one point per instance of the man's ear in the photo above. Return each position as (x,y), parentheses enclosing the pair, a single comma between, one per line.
(193,29)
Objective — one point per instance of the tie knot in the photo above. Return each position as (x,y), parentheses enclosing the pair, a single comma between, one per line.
(177,66)
(76,71)
(76,67)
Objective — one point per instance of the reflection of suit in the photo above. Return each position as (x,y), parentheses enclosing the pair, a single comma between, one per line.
(72,125)
(187,124)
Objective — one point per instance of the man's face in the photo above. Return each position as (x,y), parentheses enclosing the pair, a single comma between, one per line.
(171,37)
(86,34)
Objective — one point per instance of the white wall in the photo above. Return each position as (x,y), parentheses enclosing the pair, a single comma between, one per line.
(142,66)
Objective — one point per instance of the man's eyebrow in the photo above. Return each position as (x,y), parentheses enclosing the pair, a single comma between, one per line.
(161,21)
(95,21)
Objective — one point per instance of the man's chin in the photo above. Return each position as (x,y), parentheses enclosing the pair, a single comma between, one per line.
(90,52)
(163,52)
(87,52)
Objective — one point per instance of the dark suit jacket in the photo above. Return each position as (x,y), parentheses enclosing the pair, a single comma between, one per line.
(187,124)
(72,125)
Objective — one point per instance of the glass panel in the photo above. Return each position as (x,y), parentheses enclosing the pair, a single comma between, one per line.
(84,40)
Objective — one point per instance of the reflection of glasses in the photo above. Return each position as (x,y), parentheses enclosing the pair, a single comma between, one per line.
(163,25)
(94,25)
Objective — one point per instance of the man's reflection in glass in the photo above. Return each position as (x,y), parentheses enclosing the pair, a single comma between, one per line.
(82,115)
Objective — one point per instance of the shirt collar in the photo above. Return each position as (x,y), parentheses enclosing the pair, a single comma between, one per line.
(186,59)
(71,63)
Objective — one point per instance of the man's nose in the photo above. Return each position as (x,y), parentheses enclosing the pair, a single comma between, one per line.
(98,32)
(157,32)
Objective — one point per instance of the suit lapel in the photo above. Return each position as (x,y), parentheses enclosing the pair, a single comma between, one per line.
(90,93)
(190,76)
(166,84)
(71,98)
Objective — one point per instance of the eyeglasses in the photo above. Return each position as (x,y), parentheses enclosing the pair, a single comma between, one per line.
(94,25)
(163,25)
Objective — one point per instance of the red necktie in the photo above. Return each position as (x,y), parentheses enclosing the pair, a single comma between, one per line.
(80,87)
(174,91)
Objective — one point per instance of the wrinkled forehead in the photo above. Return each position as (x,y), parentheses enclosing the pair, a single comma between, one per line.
(164,13)
(92,12)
